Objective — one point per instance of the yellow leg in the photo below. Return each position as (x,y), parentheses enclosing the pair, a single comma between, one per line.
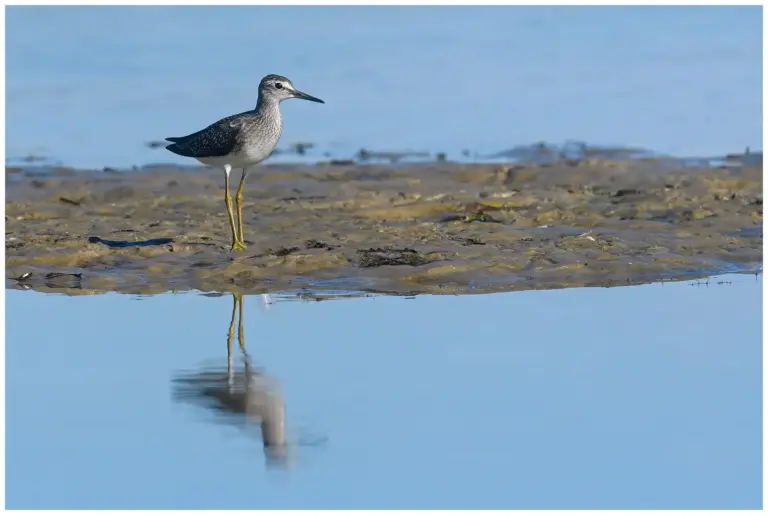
(239,200)
(236,245)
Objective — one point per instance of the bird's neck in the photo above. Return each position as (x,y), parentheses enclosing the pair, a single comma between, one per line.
(268,111)
(267,106)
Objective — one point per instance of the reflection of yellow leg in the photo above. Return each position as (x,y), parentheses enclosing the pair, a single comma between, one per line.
(230,336)
(240,331)
(228,202)
(239,200)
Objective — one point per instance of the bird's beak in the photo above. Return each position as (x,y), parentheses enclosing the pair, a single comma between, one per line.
(304,96)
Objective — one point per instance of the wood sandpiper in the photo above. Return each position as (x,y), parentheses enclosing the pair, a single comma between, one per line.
(240,141)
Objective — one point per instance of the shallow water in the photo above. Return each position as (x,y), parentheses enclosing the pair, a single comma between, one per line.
(89,86)
(635,397)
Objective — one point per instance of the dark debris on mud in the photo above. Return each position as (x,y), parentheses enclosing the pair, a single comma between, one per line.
(376,257)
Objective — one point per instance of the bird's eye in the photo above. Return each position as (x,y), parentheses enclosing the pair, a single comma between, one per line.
(278,85)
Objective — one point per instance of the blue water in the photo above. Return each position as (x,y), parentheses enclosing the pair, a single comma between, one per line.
(88,86)
(635,397)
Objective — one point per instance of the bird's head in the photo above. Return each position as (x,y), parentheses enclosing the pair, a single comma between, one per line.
(279,88)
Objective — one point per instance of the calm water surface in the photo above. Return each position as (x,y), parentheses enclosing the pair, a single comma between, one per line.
(90,85)
(641,397)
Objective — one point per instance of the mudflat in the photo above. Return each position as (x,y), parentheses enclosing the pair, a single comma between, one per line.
(443,228)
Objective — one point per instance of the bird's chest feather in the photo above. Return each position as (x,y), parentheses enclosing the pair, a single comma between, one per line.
(258,142)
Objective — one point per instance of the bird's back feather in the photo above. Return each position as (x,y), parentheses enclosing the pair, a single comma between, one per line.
(216,140)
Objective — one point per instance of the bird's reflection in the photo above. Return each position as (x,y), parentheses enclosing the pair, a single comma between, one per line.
(242,394)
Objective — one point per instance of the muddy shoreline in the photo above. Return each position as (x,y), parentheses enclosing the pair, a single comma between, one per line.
(441,228)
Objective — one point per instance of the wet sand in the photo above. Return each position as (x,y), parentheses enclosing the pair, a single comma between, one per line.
(442,228)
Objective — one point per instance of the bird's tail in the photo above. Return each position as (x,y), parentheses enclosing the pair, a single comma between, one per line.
(174,147)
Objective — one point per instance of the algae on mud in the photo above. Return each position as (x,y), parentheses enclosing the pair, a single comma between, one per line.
(428,228)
